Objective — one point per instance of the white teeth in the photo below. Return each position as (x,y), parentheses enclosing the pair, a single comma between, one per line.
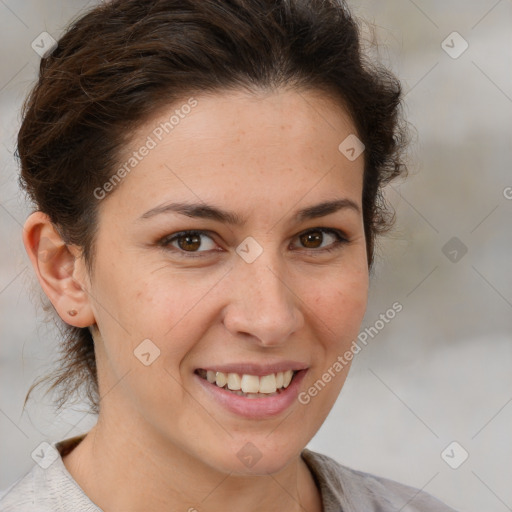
(221,379)
(234,381)
(268,383)
(287,378)
(250,383)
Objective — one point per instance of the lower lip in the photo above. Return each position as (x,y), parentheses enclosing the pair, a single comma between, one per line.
(255,408)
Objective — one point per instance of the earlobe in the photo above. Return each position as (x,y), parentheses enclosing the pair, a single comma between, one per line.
(59,269)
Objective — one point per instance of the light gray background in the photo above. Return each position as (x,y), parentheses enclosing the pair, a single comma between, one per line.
(441,370)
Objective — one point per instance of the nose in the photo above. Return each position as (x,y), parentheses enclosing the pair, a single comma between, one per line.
(263,305)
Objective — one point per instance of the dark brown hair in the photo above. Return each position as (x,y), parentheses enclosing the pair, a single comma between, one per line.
(124,60)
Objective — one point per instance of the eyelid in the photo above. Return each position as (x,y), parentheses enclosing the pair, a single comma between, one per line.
(165,242)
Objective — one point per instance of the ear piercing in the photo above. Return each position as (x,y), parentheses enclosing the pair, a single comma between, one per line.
(72,312)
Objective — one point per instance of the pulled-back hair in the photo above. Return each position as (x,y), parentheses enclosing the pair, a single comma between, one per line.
(121,62)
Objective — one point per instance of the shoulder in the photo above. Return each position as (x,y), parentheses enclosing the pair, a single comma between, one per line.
(347,489)
(19,496)
(47,487)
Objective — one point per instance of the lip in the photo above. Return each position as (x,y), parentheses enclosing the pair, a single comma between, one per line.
(257,369)
(254,408)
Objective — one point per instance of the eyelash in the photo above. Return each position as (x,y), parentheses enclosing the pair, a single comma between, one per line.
(341,240)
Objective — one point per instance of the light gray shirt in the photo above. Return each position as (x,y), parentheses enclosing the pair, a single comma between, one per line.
(49,487)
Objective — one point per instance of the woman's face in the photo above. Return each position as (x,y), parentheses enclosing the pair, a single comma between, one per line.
(265,295)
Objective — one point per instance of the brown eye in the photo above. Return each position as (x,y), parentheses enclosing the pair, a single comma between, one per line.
(314,238)
(189,242)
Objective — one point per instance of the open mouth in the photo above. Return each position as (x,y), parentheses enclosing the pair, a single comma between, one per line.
(249,386)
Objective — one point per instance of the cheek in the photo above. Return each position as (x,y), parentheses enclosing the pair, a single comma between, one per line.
(339,303)
(336,311)
(171,310)
(147,307)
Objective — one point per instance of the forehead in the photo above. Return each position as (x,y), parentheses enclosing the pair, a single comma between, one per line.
(245,120)
(240,145)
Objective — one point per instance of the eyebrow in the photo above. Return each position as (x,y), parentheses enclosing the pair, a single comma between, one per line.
(206,211)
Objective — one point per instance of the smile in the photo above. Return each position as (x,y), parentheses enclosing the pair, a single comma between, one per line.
(252,390)
(249,386)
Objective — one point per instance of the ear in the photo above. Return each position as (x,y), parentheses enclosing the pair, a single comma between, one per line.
(60,270)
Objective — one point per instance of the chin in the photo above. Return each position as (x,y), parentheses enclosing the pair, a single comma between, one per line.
(252,455)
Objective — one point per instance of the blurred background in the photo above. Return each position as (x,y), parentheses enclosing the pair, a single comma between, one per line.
(429,400)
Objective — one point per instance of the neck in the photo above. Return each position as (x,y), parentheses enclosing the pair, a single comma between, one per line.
(121,470)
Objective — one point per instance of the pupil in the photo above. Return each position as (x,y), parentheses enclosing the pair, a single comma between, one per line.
(314,236)
(185,242)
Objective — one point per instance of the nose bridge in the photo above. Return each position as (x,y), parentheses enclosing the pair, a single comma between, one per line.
(263,305)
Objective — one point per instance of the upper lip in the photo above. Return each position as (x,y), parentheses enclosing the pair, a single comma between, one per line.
(256,368)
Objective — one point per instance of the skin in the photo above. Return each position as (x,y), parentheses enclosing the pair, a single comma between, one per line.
(160,442)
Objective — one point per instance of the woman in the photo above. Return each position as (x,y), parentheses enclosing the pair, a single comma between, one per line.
(207,179)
